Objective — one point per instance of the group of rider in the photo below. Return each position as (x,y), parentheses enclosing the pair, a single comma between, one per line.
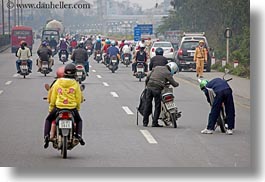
(62,95)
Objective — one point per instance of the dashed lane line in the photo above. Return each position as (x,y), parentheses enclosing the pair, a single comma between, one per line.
(114,94)
(99,76)
(105,84)
(8,82)
(127,110)
(1,91)
(94,71)
(148,136)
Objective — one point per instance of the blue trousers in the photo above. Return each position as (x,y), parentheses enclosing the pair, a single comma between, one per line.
(18,63)
(225,97)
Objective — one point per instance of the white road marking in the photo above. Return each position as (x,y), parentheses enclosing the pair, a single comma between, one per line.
(90,66)
(99,76)
(127,110)
(148,136)
(1,91)
(15,75)
(8,82)
(94,71)
(114,94)
(105,84)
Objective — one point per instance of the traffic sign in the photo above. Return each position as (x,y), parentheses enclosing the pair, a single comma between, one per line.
(146,28)
(137,34)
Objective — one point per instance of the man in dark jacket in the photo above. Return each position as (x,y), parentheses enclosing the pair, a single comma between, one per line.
(44,53)
(155,82)
(223,95)
(80,56)
(158,60)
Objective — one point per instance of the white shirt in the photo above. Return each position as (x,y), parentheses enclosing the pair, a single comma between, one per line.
(126,49)
(24,54)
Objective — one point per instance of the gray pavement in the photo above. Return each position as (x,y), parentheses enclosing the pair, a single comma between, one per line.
(112,137)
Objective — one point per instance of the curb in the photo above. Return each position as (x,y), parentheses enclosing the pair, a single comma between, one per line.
(4,48)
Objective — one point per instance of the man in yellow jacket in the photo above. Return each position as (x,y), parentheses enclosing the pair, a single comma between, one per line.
(66,94)
(200,57)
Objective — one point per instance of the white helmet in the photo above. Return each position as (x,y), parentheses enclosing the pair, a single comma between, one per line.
(173,67)
(141,45)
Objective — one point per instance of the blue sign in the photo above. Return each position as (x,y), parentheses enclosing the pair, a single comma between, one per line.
(137,34)
(146,28)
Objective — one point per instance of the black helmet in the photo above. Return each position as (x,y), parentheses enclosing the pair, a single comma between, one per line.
(81,44)
(70,71)
(159,51)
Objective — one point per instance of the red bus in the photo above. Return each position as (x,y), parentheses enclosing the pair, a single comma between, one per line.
(20,33)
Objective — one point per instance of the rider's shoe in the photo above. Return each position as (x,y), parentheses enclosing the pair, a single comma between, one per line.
(80,139)
(206,131)
(229,132)
(46,141)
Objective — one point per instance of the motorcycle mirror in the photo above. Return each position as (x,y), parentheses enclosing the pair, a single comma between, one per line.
(47,86)
(82,87)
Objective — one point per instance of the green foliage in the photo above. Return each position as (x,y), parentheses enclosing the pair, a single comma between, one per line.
(213,17)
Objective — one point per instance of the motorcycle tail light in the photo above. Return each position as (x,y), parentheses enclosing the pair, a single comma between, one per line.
(168,98)
(65,115)
(79,67)
(140,66)
(180,52)
(171,50)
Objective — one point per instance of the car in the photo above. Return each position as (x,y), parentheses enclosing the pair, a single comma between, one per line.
(166,46)
(186,51)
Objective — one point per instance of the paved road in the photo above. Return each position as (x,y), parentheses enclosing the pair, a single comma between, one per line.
(112,137)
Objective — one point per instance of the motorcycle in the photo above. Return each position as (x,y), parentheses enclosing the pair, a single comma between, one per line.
(24,68)
(45,67)
(140,70)
(126,59)
(113,65)
(65,130)
(98,56)
(222,120)
(169,111)
(80,73)
(63,57)
(89,51)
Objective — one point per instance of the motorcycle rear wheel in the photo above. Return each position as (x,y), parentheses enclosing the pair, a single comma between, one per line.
(64,147)
(221,121)
(173,120)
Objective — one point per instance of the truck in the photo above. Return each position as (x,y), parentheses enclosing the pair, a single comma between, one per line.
(53,28)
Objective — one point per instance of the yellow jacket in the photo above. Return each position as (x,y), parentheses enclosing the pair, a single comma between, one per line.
(65,94)
(200,53)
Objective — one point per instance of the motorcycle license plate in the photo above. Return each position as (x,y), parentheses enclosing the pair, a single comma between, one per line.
(114,61)
(24,67)
(192,54)
(89,51)
(44,66)
(126,58)
(170,105)
(65,124)
(98,55)
(79,73)
(140,69)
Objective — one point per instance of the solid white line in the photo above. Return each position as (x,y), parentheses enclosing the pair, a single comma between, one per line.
(94,71)
(1,91)
(99,76)
(8,82)
(114,94)
(148,137)
(127,110)
(105,84)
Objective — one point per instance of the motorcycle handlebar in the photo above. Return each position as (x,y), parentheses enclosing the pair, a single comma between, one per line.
(229,79)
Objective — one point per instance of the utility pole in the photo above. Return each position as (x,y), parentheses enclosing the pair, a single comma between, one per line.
(21,13)
(3,17)
(9,23)
(15,13)
(18,20)
(228,35)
